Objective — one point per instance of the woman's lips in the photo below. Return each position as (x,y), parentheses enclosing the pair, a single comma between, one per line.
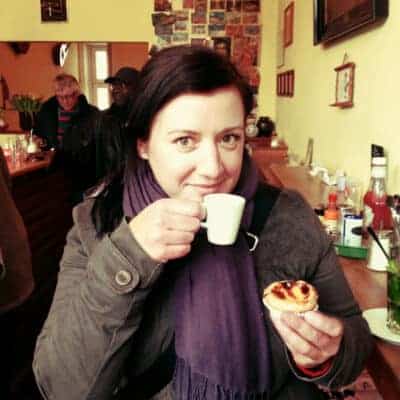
(206,189)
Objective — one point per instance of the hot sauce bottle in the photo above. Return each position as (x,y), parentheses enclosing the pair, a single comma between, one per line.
(376,213)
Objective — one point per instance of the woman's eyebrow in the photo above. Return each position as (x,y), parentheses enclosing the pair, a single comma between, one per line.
(187,131)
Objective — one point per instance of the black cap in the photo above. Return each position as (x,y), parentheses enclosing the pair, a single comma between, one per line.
(126,75)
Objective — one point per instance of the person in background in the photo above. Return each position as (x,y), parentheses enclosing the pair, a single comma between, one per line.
(110,131)
(62,113)
(66,122)
(16,278)
(147,308)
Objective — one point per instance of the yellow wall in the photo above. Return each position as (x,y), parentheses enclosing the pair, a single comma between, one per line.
(343,136)
(88,20)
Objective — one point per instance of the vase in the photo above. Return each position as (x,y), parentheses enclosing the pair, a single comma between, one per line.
(26,121)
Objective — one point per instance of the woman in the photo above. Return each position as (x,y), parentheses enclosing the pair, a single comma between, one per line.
(16,278)
(145,307)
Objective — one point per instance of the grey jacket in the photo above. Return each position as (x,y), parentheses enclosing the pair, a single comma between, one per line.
(110,316)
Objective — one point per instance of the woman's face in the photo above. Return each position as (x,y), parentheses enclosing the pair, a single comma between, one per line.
(196,143)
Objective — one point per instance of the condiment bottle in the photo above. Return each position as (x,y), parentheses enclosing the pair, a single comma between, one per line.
(331,216)
(376,213)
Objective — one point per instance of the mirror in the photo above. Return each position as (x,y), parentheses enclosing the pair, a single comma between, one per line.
(32,71)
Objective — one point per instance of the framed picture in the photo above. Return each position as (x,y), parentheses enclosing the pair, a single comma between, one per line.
(336,18)
(288,18)
(344,85)
(285,84)
(53,10)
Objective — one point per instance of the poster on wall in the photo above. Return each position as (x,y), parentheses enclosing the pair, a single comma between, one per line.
(231,27)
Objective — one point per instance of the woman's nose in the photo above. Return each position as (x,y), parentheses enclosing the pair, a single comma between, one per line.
(210,164)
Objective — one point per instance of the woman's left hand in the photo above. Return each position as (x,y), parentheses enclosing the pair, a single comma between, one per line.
(312,339)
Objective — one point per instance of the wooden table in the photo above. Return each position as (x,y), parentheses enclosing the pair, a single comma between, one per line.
(369,287)
(31,164)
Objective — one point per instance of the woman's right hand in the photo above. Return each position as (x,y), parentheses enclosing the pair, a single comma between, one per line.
(166,228)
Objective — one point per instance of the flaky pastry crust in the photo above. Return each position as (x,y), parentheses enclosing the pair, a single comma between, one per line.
(296,296)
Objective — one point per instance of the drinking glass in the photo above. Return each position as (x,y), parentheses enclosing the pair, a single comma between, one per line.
(393,296)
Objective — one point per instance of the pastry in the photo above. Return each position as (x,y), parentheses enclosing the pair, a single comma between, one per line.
(296,296)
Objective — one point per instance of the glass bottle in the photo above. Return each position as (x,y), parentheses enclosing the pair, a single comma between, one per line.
(376,213)
(331,216)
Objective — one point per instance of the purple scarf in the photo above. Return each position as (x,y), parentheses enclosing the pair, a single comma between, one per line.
(220,335)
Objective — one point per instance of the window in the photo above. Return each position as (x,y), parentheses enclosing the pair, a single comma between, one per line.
(96,65)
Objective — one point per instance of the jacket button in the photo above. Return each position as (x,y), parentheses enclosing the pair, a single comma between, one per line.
(123,277)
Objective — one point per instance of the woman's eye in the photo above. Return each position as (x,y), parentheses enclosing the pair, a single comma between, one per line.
(185,142)
(231,140)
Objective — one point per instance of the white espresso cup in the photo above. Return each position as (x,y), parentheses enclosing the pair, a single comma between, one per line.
(223,216)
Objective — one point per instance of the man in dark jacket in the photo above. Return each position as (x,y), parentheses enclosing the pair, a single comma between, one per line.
(66,122)
(113,121)
(62,112)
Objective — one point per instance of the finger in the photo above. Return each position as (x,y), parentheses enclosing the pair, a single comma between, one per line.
(172,252)
(190,193)
(324,323)
(187,207)
(308,332)
(295,343)
(171,238)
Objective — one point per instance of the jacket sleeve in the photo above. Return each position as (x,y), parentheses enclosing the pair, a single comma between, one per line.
(297,247)
(96,310)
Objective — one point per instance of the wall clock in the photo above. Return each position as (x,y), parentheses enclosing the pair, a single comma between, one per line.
(53,10)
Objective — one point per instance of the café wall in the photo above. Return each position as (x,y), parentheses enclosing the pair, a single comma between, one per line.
(342,137)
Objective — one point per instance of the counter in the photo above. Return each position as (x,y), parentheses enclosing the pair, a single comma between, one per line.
(369,287)
(31,164)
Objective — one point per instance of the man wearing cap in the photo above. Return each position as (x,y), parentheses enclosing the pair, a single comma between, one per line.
(113,121)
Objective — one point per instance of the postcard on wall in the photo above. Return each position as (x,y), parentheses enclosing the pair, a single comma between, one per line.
(233,17)
(252,30)
(251,5)
(181,15)
(162,19)
(217,17)
(164,40)
(188,4)
(216,30)
(200,5)
(180,37)
(198,29)
(163,30)
(199,42)
(199,17)
(217,5)
(222,45)
(234,30)
(234,5)
(250,18)
(181,25)
(162,5)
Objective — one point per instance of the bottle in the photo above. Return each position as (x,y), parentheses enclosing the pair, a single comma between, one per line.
(331,216)
(376,213)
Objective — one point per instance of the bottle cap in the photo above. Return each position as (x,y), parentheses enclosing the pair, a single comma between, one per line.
(377,151)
